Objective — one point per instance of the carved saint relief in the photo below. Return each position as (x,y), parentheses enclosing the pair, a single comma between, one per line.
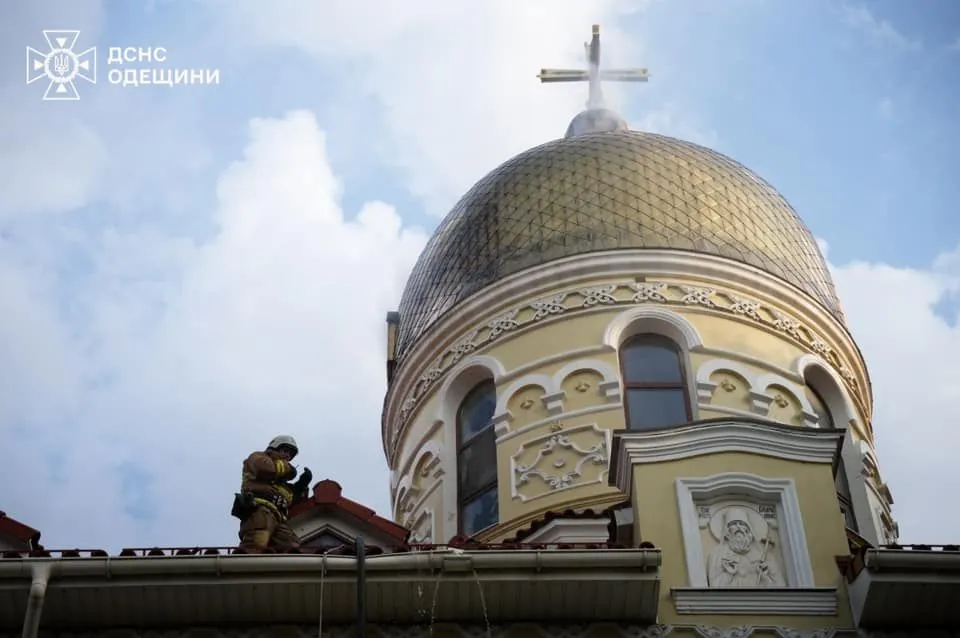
(745,554)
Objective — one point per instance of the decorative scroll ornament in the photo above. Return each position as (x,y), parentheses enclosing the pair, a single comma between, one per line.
(620,294)
(565,476)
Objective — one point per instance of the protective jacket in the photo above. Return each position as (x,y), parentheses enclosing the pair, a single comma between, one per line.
(264,476)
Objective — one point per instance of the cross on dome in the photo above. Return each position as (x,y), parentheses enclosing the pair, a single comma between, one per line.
(593,74)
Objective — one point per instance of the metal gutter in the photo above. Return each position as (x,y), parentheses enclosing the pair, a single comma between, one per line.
(267,565)
(877,560)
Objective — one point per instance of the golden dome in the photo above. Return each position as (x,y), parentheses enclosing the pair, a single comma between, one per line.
(601,191)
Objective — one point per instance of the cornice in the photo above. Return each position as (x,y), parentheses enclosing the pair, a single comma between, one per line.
(550,291)
(786,442)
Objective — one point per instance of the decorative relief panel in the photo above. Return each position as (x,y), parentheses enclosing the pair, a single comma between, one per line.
(560,460)
(623,293)
(425,478)
(741,544)
(741,530)
(422,528)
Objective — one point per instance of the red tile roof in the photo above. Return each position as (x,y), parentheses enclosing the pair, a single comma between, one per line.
(15,529)
(327,496)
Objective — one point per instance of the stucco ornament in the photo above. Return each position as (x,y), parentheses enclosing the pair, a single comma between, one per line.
(744,556)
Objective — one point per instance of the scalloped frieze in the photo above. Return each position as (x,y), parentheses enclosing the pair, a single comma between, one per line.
(624,293)
(764,392)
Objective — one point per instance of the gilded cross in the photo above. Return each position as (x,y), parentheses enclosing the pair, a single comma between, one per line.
(593,74)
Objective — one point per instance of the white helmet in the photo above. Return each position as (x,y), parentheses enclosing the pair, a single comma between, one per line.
(284,440)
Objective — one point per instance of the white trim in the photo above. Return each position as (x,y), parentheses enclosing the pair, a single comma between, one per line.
(572,530)
(740,357)
(609,387)
(733,275)
(507,434)
(459,381)
(781,492)
(819,601)
(553,397)
(567,478)
(757,385)
(543,381)
(764,439)
(706,387)
(651,319)
(835,397)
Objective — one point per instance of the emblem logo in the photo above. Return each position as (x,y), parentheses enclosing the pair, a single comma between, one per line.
(61,65)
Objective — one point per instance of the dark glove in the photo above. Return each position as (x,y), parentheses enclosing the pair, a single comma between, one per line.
(291,473)
(304,481)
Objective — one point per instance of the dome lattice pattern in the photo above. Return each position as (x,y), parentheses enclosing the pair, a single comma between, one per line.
(606,191)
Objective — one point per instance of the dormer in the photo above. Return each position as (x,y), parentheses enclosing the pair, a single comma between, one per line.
(328,521)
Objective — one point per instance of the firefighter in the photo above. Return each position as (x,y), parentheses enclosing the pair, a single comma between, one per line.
(266,495)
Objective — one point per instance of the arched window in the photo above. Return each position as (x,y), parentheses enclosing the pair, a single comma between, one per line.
(654,383)
(477,460)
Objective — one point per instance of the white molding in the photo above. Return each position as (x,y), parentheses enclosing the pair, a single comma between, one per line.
(543,362)
(458,382)
(542,381)
(764,439)
(819,601)
(654,319)
(591,409)
(758,384)
(542,279)
(554,397)
(837,398)
(781,492)
(565,477)
(706,387)
(572,530)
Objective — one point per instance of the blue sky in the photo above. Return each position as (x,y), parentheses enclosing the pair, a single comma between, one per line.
(187,270)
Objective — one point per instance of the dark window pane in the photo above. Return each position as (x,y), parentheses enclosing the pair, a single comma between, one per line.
(848,518)
(650,360)
(477,410)
(650,408)
(478,463)
(480,513)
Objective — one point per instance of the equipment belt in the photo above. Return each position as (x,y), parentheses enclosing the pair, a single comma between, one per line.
(273,501)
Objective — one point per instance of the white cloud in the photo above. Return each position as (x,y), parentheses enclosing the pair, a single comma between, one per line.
(457,85)
(881,31)
(174,355)
(276,324)
(911,353)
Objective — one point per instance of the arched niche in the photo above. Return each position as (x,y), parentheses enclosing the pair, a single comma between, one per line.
(851,481)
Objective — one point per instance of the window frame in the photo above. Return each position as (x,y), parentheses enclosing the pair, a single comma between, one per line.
(465,499)
(654,338)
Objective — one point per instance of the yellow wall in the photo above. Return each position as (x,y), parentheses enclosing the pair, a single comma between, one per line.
(657,519)
(544,348)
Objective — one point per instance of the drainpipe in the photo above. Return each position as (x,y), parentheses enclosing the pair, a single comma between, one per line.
(361,587)
(38,591)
